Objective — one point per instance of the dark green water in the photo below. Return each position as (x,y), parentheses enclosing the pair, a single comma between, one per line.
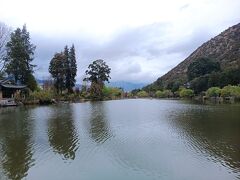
(121,140)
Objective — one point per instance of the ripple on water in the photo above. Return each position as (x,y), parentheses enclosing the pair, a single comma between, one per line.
(132,139)
(197,128)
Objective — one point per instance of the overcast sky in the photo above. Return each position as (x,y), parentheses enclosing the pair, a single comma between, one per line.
(139,39)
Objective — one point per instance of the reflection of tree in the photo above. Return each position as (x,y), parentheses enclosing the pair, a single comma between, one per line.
(99,126)
(214,132)
(15,138)
(62,133)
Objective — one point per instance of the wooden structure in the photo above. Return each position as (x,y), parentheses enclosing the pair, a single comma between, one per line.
(8,89)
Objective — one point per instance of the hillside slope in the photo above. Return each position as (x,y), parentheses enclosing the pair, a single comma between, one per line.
(224,48)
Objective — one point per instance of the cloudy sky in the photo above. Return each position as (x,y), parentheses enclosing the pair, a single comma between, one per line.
(139,39)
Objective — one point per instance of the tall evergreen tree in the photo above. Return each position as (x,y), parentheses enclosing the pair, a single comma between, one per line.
(63,68)
(73,67)
(20,52)
(57,70)
(67,68)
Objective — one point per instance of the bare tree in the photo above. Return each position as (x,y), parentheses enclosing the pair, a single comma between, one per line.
(4,37)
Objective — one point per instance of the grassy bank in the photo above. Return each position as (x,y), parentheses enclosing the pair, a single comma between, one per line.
(51,96)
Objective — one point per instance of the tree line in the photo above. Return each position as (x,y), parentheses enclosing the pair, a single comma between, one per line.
(202,74)
(16,61)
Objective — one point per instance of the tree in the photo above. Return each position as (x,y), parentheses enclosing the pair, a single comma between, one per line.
(67,68)
(73,68)
(164,94)
(97,73)
(31,82)
(135,91)
(57,70)
(201,67)
(213,92)
(230,91)
(186,93)
(20,54)
(173,85)
(4,37)
(157,85)
(70,67)
(63,68)
(199,84)
(142,94)
(214,79)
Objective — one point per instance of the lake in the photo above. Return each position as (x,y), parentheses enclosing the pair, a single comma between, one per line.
(140,139)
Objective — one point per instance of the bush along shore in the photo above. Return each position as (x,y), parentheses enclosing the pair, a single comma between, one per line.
(202,79)
(45,97)
(228,93)
(214,94)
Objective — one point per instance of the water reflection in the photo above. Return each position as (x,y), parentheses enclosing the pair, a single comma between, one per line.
(16,142)
(62,133)
(99,129)
(213,131)
(127,139)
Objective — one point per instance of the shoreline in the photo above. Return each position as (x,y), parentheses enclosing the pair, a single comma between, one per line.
(202,100)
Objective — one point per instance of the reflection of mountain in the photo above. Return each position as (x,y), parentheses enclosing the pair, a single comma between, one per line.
(62,133)
(212,132)
(99,125)
(16,143)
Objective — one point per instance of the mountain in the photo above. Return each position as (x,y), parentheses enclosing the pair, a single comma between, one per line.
(224,48)
(127,86)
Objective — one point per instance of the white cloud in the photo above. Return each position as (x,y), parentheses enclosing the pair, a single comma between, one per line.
(139,39)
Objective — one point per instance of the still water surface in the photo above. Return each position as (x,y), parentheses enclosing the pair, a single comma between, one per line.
(121,140)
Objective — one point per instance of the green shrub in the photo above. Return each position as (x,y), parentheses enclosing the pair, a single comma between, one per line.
(186,93)
(142,94)
(112,92)
(129,94)
(233,91)
(213,92)
(163,94)
(42,96)
(159,94)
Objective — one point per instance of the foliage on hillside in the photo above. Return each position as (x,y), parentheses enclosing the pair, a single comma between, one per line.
(219,79)
(201,67)
(223,49)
